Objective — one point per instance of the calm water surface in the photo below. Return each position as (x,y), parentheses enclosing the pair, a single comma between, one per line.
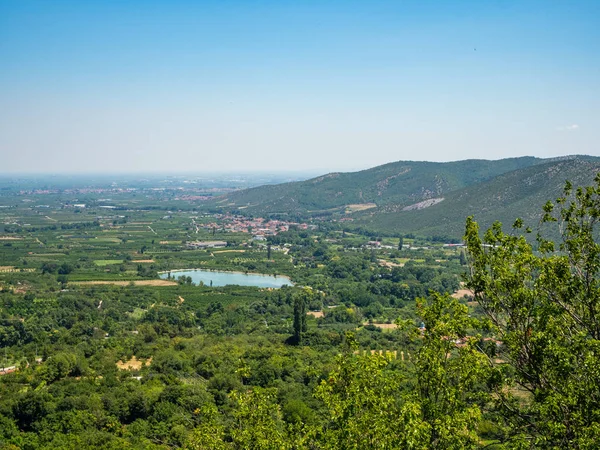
(225,278)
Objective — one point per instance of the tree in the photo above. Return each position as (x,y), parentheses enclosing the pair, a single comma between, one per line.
(401,243)
(462,259)
(364,408)
(209,434)
(369,405)
(449,369)
(258,423)
(58,366)
(48,267)
(63,280)
(301,299)
(65,269)
(544,305)
(184,280)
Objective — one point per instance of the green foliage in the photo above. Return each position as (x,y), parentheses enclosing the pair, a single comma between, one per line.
(58,366)
(545,307)
(391,184)
(449,369)
(258,422)
(364,409)
(213,368)
(210,433)
(341,314)
(300,303)
(516,193)
(367,406)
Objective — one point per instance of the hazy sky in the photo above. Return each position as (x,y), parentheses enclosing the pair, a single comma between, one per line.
(271,85)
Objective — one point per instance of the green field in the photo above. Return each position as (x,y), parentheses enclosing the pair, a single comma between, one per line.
(106,262)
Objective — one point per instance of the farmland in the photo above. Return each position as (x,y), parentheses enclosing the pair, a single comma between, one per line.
(82,300)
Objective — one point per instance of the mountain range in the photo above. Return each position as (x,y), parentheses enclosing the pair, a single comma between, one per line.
(425,198)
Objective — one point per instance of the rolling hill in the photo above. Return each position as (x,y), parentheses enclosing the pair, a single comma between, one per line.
(422,197)
(401,182)
(520,193)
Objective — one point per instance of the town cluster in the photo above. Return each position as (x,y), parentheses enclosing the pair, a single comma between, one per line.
(258,227)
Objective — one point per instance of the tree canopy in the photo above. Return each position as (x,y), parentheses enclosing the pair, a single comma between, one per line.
(542,299)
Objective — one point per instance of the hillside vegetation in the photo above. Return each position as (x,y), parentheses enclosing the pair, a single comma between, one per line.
(401,182)
(515,194)
(422,197)
(395,343)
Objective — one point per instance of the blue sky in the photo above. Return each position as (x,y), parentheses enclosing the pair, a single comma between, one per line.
(298,85)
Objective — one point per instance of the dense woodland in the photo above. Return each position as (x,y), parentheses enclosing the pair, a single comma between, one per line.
(368,349)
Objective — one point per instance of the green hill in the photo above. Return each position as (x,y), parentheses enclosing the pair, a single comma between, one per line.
(422,197)
(520,193)
(402,182)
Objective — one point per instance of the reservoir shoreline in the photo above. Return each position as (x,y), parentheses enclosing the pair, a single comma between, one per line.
(260,279)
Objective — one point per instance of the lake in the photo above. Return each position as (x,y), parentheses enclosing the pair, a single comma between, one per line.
(220,278)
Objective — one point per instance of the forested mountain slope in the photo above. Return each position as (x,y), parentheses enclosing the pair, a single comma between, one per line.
(401,182)
(422,197)
(514,194)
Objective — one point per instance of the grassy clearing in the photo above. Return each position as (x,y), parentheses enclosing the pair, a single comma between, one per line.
(462,292)
(133,363)
(107,262)
(389,264)
(359,207)
(383,326)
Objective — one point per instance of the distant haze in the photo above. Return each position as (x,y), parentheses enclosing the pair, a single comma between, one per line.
(189,86)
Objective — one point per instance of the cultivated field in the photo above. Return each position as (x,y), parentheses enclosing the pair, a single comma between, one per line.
(127,283)
(359,207)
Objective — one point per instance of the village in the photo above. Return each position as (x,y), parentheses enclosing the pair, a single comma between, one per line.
(260,228)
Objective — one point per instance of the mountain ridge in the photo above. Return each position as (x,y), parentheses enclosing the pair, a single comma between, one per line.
(418,196)
(520,193)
